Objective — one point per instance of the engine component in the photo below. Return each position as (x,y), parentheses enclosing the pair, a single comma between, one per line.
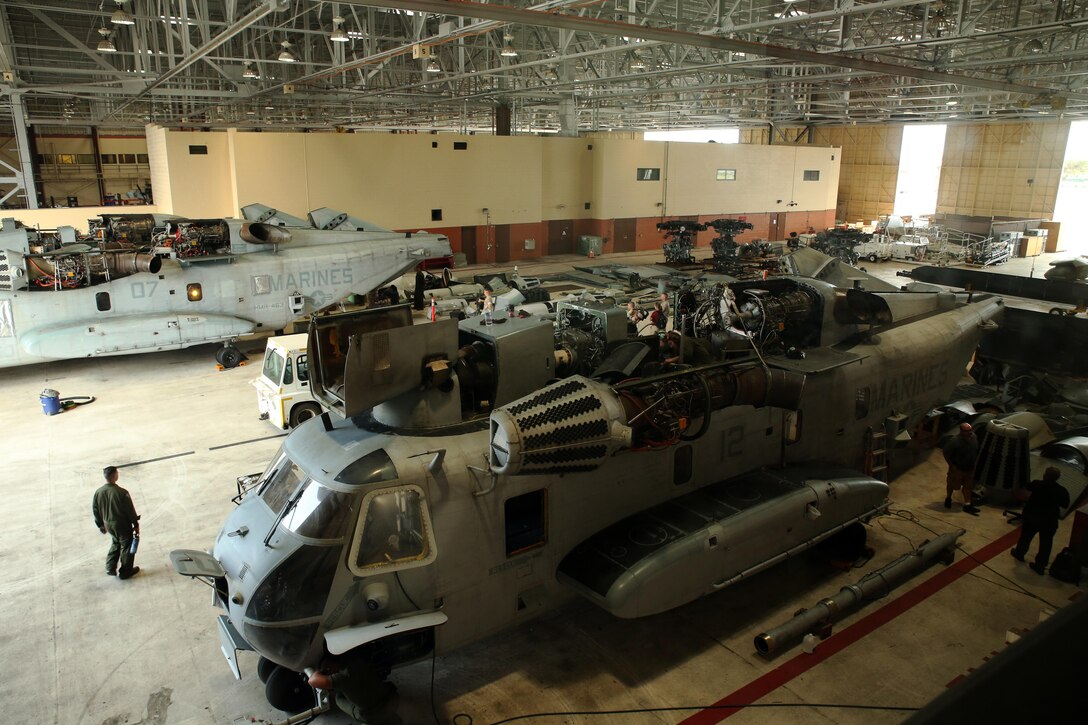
(258,233)
(1003,460)
(680,236)
(574,425)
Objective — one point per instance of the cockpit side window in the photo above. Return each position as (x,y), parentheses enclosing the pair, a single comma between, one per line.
(282,482)
(395,532)
(374,467)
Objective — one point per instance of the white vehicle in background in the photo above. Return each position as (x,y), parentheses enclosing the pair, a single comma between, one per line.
(882,248)
(283,388)
(878,249)
(911,246)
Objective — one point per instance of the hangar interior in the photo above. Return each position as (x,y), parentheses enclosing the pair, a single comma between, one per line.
(512,129)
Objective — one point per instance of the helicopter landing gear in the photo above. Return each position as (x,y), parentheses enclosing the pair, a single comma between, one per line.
(228,356)
(288,691)
(264,669)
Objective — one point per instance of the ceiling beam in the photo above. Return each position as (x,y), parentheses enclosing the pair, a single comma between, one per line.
(500,13)
(264,8)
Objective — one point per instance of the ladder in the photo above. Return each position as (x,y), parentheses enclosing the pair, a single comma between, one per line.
(876,454)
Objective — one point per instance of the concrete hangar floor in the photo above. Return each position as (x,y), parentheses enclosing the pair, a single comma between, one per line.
(83,648)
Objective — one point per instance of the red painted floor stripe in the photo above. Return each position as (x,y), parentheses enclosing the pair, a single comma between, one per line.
(800,664)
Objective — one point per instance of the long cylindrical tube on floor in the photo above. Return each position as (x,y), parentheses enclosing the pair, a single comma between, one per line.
(871,586)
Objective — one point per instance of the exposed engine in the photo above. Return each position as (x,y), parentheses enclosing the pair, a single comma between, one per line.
(85,268)
(774,313)
(583,334)
(576,424)
(193,238)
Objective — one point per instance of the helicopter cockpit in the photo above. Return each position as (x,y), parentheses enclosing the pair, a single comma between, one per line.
(315,525)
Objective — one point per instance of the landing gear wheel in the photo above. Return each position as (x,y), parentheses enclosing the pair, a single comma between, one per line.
(872,256)
(288,691)
(302,413)
(264,669)
(228,356)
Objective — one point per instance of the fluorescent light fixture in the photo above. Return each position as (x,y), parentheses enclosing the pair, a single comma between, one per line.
(106,44)
(338,35)
(120,15)
(508,50)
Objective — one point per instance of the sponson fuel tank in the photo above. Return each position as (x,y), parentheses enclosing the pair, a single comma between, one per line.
(682,549)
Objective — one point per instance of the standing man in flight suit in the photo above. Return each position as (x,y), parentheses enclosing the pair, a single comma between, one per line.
(115,515)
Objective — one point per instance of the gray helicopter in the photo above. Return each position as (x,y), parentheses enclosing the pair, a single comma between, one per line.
(474,474)
(146,283)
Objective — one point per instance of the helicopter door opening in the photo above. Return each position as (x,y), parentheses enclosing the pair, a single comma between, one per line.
(526,519)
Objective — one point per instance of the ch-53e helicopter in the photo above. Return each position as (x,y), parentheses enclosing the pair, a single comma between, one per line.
(156,282)
(480,472)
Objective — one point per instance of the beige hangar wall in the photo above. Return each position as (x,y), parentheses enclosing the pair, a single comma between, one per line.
(392,179)
(768,178)
(567,178)
(398,180)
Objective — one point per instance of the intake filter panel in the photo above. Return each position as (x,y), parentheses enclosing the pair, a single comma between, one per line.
(571,425)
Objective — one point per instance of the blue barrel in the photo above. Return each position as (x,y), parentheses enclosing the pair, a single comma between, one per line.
(50,402)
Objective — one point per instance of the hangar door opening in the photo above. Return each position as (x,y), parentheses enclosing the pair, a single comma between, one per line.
(920,159)
(1073,192)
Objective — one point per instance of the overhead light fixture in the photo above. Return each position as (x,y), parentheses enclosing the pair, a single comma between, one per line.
(433,67)
(1034,46)
(508,50)
(638,64)
(338,35)
(249,72)
(120,15)
(106,45)
(286,56)
(952,103)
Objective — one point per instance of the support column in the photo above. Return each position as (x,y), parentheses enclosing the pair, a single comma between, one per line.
(502,119)
(96,148)
(22,140)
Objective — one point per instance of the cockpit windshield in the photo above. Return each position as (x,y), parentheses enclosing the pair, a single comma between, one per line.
(304,506)
(320,512)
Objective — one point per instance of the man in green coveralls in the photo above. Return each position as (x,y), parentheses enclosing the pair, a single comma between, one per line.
(115,515)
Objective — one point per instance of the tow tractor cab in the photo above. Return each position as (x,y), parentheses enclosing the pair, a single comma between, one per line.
(479,473)
(283,387)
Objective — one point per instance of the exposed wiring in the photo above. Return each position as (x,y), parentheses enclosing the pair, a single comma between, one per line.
(434,710)
(396,575)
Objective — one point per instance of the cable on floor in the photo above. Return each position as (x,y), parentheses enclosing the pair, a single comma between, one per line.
(688,708)
(1016,586)
(74,401)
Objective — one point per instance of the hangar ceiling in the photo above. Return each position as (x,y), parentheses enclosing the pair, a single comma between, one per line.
(564,66)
